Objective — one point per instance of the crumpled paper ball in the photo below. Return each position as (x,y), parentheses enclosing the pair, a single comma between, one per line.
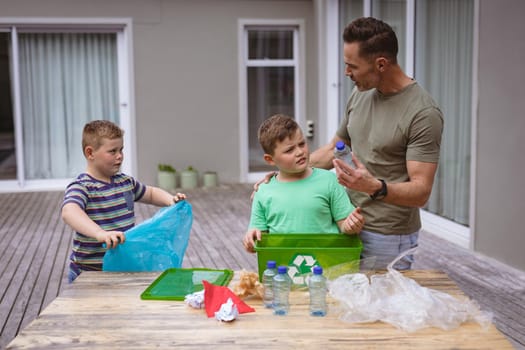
(195,300)
(215,296)
(248,285)
(227,312)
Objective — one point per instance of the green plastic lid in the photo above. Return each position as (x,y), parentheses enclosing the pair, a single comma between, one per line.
(176,283)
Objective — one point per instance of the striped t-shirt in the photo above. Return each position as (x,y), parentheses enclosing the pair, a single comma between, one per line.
(110,205)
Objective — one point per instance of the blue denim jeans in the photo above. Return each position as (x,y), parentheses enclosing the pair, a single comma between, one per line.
(379,250)
(73,273)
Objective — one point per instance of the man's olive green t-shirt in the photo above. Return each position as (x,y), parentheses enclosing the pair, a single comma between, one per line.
(386,131)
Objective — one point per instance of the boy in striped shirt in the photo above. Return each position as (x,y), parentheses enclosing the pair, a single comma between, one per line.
(99,204)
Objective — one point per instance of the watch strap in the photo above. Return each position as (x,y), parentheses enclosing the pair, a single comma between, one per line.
(380,193)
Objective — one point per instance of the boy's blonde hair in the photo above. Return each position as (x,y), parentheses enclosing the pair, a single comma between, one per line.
(97,130)
(276,129)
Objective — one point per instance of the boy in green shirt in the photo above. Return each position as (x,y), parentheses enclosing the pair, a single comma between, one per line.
(298,198)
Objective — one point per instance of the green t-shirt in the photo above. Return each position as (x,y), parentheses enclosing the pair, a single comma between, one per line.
(385,131)
(310,205)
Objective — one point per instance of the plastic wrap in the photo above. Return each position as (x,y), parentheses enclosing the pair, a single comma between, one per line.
(402,302)
(156,244)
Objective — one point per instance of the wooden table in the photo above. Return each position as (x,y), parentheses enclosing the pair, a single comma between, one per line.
(104,311)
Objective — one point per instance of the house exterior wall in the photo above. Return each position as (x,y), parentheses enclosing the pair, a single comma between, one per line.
(188,106)
(500,152)
(187,109)
(185,57)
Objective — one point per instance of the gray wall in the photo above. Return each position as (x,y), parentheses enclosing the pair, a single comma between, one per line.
(186,73)
(500,189)
(187,82)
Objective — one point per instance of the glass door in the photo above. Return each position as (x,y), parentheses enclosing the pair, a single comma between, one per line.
(442,38)
(66,80)
(54,78)
(7,130)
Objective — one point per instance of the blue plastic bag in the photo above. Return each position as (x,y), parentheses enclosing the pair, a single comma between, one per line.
(154,245)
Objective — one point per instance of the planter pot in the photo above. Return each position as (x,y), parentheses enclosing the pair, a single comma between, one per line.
(189,179)
(167,180)
(209,179)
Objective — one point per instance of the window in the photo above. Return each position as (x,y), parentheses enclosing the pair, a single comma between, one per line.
(59,77)
(269,79)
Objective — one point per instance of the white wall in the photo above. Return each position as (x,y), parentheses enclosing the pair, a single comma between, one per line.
(500,190)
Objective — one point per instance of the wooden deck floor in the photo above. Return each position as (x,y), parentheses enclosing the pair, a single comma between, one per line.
(34,246)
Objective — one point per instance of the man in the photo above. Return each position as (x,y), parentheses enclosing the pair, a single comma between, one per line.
(394,128)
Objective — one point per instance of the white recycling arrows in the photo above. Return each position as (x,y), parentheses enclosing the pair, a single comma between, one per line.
(299,267)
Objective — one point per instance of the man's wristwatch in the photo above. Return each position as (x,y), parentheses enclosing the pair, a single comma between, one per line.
(380,193)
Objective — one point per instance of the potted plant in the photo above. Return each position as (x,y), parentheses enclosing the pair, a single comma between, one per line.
(189,178)
(209,179)
(166,177)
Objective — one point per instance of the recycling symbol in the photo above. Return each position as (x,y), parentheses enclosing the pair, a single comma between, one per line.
(300,266)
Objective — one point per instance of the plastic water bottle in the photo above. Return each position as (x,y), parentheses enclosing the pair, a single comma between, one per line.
(281,291)
(344,152)
(267,279)
(317,288)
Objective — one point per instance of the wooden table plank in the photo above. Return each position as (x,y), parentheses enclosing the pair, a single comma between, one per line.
(104,310)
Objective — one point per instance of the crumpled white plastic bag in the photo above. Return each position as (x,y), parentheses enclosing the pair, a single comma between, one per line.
(402,302)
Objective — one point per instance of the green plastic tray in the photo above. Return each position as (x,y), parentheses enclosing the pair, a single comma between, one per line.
(176,283)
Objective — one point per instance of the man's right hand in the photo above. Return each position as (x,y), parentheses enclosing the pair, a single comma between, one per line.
(258,183)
